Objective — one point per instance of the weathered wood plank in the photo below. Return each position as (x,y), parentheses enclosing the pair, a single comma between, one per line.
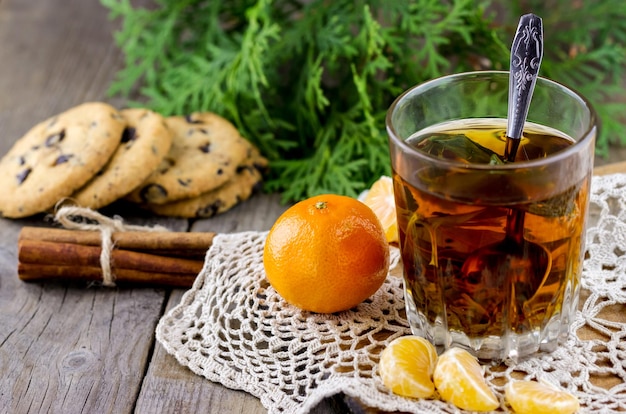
(170,387)
(63,348)
(54,54)
(66,347)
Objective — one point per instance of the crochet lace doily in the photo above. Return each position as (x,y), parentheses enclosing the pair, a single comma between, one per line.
(233,328)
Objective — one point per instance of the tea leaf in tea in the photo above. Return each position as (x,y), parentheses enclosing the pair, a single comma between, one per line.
(560,205)
(460,148)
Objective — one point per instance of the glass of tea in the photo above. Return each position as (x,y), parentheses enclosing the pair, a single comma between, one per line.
(492,249)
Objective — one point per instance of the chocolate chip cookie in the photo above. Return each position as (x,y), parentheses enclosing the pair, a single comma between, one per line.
(145,142)
(246,182)
(56,157)
(205,152)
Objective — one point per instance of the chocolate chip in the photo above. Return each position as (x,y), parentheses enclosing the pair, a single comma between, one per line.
(23,175)
(153,192)
(257,187)
(190,120)
(63,158)
(54,139)
(261,168)
(219,171)
(209,210)
(243,168)
(129,134)
(78,219)
(206,148)
(21,160)
(166,164)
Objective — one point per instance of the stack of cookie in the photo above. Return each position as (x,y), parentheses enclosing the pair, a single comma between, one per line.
(93,155)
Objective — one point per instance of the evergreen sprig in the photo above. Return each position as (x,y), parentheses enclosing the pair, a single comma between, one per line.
(309,82)
(585,48)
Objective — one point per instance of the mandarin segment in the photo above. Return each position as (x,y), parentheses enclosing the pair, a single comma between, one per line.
(326,254)
(531,397)
(460,380)
(380,199)
(406,367)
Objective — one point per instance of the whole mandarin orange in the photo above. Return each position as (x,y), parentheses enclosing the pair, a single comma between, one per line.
(326,254)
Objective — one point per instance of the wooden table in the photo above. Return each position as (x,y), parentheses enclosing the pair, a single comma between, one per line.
(66,348)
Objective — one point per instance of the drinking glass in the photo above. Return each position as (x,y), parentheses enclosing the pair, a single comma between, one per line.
(492,251)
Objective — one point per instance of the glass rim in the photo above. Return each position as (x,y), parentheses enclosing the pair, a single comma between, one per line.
(563,154)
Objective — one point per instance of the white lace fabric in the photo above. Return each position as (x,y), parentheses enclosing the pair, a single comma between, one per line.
(233,328)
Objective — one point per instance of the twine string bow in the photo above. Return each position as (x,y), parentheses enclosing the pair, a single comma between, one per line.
(81,218)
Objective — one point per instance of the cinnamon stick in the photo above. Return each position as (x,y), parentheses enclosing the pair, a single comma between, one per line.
(146,258)
(166,243)
(68,254)
(38,273)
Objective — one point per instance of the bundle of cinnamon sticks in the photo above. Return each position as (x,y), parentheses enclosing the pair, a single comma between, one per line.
(138,258)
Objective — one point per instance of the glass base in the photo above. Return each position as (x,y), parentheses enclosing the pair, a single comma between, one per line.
(511,347)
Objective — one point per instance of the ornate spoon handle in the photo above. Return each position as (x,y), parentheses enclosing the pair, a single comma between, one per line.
(526,55)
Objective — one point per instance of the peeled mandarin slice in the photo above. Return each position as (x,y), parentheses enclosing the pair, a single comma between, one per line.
(460,380)
(539,398)
(380,199)
(406,367)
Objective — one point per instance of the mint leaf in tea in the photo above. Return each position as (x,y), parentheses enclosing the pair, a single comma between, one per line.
(482,141)
(458,147)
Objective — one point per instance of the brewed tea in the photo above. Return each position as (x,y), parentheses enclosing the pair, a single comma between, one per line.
(445,214)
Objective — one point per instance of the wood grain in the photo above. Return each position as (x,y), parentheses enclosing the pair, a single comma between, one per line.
(65,348)
(170,387)
(54,55)
(613,168)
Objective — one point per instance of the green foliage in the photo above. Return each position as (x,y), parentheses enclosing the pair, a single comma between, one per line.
(585,48)
(309,82)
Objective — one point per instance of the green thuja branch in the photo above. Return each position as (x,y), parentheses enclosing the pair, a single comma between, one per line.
(310,82)
(585,48)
